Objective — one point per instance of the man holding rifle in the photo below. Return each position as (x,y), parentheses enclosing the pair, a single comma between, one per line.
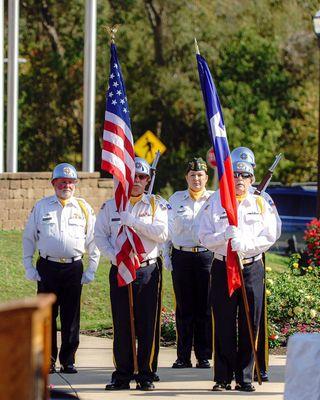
(245,154)
(255,234)
(148,216)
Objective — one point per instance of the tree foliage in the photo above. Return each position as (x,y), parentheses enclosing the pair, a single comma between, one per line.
(262,56)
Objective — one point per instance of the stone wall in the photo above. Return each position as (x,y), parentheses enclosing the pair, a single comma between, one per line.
(19,191)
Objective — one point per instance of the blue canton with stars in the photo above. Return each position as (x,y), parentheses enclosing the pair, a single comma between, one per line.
(116,98)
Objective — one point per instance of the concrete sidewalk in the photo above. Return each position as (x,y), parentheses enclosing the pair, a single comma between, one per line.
(94,363)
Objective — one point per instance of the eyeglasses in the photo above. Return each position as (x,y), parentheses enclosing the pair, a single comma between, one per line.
(244,175)
(141,177)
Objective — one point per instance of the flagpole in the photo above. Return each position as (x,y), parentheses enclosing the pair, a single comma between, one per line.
(133,330)
(240,268)
(247,312)
(112,33)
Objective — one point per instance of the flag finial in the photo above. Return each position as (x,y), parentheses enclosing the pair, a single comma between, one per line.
(112,30)
(196,46)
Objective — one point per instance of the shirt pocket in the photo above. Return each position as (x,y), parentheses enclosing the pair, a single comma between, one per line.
(253,222)
(76,227)
(115,224)
(47,227)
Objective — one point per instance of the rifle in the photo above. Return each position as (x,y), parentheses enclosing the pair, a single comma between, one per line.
(267,178)
(153,172)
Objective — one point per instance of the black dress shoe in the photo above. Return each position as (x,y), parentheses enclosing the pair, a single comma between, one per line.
(117,386)
(155,377)
(245,387)
(52,369)
(181,364)
(203,364)
(220,387)
(68,369)
(264,376)
(145,386)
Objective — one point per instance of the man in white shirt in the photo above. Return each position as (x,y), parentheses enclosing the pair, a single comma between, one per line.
(61,228)
(191,264)
(148,216)
(255,234)
(245,154)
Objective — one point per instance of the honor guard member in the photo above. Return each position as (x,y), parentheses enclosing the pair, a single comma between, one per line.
(61,227)
(245,154)
(255,234)
(191,264)
(148,216)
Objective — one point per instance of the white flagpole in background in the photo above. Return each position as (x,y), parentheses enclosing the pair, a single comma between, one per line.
(1,88)
(13,80)
(89,87)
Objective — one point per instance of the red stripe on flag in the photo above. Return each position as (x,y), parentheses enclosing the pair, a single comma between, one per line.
(117,130)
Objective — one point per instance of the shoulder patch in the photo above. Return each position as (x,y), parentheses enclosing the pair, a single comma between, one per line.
(270,201)
(169,207)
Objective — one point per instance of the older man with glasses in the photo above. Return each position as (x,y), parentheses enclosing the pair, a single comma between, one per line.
(148,215)
(61,227)
(255,234)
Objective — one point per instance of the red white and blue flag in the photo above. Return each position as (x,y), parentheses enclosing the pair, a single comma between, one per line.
(118,160)
(218,136)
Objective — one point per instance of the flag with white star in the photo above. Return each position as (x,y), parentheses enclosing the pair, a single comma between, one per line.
(118,160)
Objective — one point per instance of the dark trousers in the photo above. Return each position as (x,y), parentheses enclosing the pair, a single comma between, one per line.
(263,341)
(64,280)
(232,348)
(263,337)
(191,283)
(145,306)
(158,326)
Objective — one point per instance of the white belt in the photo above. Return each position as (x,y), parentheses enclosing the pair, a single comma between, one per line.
(62,260)
(197,249)
(148,262)
(244,261)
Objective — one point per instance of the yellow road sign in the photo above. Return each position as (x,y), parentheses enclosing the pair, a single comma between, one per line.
(147,145)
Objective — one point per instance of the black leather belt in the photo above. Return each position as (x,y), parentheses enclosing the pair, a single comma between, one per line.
(245,261)
(148,262)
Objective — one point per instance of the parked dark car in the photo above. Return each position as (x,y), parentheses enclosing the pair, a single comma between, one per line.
(296,206)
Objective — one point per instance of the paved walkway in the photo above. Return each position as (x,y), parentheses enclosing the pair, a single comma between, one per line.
(94,363)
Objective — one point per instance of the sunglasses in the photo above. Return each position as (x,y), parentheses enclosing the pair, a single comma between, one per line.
(141,177)
(244,175)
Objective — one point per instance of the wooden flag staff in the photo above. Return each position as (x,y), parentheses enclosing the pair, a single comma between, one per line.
(112,30)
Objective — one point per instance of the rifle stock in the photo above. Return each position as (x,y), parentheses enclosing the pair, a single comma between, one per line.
(267,178)
(153,172)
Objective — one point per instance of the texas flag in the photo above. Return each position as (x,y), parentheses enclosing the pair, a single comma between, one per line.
(218,136)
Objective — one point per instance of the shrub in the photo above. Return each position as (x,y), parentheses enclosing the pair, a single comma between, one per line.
(293,305)
(168,326)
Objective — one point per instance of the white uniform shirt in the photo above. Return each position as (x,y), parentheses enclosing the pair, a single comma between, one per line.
(152,229)
(258,225)
(186,217)
(269,200)
(61,232)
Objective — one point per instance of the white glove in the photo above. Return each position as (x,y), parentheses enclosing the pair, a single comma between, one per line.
(87,276)
(127,218)
(32,274)
(231,232)
(168,263)
(238,244)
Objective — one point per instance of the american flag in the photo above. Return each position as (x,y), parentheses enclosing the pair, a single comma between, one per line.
(218,136)
(118,160)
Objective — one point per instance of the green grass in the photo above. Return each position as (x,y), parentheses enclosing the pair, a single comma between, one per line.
(95,313)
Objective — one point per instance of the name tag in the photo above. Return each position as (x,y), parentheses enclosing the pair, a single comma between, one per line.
(115,219)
